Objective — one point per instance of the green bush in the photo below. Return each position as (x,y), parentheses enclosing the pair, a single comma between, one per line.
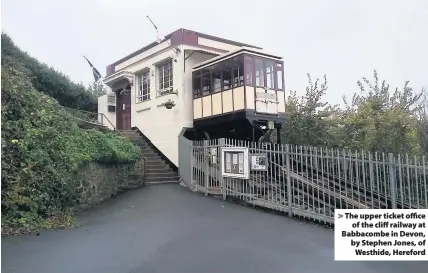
(42,147)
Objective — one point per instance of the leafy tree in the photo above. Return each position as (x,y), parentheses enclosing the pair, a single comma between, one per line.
(97,89)
(376,118)
(308,118)
(380,120)
(422,121)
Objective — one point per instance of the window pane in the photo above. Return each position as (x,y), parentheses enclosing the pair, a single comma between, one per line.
(216,78)
(226,70)
(143,93)
(161,77)
(160,74)
(196,86)
(165,76)
(279,77)
(140,87)
(169,74)
(249,69)
(206,84)
(260,74)
(146,86)
(270,76)
(238,71)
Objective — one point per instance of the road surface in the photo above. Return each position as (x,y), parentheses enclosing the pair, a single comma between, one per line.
(166,228)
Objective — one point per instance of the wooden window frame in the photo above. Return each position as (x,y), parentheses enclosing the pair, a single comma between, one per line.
(165,81)
(263,71)
(226,63)
(235,63)
(249,68)
(197,92)
(143,92)
(279,67)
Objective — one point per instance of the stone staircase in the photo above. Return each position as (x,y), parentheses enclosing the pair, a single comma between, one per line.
(158,171)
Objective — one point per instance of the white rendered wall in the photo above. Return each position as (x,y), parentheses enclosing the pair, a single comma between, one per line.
(102,108)
(160,125)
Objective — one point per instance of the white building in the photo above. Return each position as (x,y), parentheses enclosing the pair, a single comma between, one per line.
(142,82)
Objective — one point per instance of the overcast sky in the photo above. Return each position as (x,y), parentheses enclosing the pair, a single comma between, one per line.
(344,39)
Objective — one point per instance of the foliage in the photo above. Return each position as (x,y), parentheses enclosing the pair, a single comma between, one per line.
(42,147)
(422,121)
(97,89)
(376,119)
(307,117)
(46,79)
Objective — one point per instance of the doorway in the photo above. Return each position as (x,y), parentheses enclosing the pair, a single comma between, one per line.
(123,113)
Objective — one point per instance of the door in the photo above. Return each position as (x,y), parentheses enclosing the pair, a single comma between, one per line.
(123,118)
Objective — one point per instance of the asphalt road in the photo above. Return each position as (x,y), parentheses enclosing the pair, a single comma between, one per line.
(166,228)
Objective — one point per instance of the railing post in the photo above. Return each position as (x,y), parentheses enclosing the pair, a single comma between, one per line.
(372,178)
(205,158)
(392,181)
(289,191)
(221,143)
(192,163)
(102,119)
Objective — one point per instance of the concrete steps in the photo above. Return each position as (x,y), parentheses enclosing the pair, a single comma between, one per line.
(157,170)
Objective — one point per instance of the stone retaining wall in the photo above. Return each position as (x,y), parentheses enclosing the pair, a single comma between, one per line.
(96,183)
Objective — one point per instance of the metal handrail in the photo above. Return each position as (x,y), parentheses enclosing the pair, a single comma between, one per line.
(103,116)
